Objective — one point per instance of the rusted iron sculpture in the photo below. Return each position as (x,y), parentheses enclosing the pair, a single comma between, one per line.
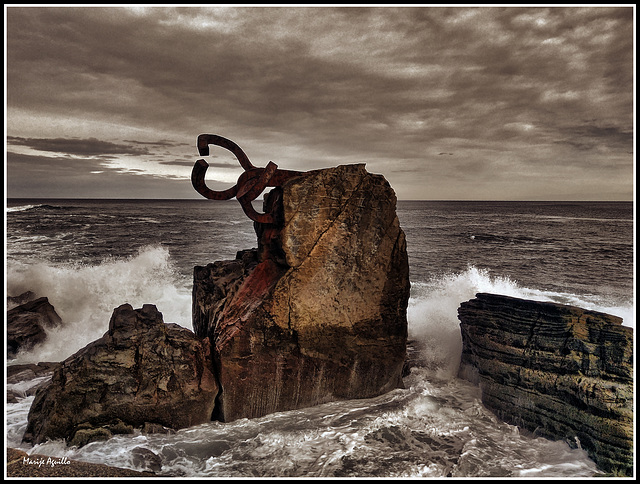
(250,184)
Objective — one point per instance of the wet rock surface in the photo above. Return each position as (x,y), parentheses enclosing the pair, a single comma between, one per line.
(27,322)
(318,311)
(13,301)
(559,371)
(141,372)
(18,375)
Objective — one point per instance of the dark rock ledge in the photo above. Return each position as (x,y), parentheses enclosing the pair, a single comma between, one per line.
(28,321)
(559,371)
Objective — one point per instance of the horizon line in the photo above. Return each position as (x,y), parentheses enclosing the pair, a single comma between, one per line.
(399,199)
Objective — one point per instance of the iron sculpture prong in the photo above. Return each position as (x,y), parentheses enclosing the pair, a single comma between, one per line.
(251,182)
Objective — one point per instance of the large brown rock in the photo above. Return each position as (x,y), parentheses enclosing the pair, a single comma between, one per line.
(141,371)
(560,371)
(27,323)
(318,311)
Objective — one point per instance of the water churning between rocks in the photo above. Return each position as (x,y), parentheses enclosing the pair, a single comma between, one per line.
(90,256)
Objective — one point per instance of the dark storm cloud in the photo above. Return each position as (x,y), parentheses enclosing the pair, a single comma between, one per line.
(81,147)
(312,86)
(156,143)
(36,176)
(189,163)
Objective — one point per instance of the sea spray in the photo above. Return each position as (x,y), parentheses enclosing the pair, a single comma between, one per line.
(435,427)
(84,296)
(432,312)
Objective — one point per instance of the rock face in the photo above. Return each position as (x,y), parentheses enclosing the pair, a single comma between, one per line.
(562,372)
(318,311)
(141,372)
(26,324)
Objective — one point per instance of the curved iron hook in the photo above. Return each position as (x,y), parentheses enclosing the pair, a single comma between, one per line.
(204,140)
(250,184)
(197,180)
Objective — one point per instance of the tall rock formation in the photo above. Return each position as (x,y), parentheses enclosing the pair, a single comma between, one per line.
(562,372)
(141,372)
(318,311)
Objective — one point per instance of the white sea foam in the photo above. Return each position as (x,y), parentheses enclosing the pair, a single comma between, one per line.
(435,427)
(433,318)
(428,429)
(84,296)
(22,208)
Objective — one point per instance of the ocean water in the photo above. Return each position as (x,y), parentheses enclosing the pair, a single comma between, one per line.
(90,256)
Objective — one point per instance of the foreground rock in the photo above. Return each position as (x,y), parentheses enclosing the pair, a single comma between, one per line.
(562,372)
(316,313)
(27,323)
(142,372)
(21,464)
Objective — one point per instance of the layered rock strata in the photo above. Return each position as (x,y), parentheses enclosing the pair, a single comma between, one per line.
(141,373)
(318,311)
(562,372)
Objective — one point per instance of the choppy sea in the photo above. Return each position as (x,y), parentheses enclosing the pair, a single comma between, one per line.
(90,256)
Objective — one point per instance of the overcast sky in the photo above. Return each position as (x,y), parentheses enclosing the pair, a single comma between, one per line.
(532,103)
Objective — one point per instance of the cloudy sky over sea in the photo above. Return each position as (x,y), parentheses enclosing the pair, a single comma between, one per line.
(515,103)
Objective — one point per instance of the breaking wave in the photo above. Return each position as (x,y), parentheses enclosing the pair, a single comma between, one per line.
(84,296)
(435,427)
(22,208)
(432,312)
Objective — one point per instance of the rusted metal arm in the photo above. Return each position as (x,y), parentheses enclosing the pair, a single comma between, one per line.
(197,180)
(204,140)
(250,184)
